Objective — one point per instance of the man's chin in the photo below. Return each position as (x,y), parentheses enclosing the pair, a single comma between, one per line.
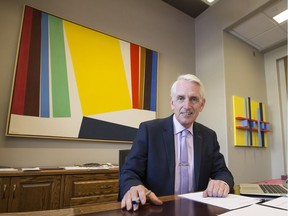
(186,122)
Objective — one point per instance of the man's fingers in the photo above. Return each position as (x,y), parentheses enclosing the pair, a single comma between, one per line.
(126,202)
(138,195)
(205,193)
(216,188)
(154,199)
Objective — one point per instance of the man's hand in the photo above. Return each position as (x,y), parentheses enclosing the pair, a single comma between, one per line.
(216,188)
(137,195)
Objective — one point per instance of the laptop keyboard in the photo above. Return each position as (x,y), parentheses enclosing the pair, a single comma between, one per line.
(270,188)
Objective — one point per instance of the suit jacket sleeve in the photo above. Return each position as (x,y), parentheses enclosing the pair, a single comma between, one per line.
(151,161)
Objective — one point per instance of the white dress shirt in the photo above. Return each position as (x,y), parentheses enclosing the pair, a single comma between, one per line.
(177,133)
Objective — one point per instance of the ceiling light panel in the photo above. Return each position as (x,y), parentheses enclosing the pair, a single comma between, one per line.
(269,38)
(283,16)
(251,28)
(276,8)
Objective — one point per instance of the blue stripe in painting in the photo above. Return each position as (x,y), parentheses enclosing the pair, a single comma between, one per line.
(153,82)
(246,116)
(44,85)
(259,127)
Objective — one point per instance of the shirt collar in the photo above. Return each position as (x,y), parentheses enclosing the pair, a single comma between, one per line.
(178,127)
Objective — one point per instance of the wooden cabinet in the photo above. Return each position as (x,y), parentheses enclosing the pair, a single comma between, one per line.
(30,193)
(90,188)
(45,190)
(4,193)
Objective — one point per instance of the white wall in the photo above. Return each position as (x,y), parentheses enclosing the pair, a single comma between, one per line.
(279,148)
(151,24)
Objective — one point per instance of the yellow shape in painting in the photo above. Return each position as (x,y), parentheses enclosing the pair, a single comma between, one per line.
(99,70)
(238,111)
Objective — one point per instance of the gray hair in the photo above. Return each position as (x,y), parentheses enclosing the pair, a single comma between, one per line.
(191,78)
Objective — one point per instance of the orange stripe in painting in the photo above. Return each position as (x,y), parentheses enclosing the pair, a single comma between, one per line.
(134,55)
(22,66)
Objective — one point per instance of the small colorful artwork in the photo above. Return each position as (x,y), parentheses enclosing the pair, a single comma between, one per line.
(250,125)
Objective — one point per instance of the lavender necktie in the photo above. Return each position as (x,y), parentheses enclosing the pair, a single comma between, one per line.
(184,163)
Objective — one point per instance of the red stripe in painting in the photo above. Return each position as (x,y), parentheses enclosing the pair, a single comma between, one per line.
(134,57)
(22,65)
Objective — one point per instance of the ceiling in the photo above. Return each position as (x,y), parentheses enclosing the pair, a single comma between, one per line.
(257,29)
(191,7)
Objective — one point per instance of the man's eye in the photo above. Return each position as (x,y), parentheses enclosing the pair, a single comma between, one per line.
(194,100)
(180,98)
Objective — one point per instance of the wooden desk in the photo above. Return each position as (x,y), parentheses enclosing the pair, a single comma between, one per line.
(58,212)
(172,206)
(82,210)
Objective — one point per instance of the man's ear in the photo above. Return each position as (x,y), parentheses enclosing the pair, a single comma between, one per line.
(171,103)
(202,104)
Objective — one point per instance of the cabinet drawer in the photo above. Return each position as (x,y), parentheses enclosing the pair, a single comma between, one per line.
(92,188)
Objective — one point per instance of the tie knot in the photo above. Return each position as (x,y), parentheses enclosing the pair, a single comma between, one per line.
(184,133)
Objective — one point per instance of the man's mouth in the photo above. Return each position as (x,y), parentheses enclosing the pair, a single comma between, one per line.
(187,113)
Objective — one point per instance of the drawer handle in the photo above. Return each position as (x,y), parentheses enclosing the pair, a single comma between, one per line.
(105,187)
(4,191)
(14,190)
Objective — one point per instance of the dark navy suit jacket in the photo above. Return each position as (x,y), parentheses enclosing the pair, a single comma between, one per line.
(151,161)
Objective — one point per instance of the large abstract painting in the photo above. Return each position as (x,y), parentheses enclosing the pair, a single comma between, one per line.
(72,82)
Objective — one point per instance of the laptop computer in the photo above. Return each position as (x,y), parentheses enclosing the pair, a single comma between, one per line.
(265,190)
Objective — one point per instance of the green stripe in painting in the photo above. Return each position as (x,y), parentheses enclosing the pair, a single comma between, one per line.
(59,79)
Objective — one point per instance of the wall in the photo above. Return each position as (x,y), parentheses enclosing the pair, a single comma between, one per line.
(279,146)
(151,24)
(245,76)
(210,67)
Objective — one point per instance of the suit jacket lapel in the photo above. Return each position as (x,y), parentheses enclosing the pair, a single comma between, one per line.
(197,138)
(168,137)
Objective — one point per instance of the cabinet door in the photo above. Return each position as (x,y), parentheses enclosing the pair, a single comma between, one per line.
(90,188)
(34,193)
(4,193)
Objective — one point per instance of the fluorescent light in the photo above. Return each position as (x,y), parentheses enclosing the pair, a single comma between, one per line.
(281,17)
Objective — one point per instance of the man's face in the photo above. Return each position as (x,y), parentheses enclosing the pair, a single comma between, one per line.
(187,103)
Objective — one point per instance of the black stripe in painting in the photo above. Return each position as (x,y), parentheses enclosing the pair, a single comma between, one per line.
(33,75)
(101,130)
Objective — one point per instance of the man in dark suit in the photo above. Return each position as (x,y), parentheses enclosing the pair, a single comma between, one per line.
(153,165)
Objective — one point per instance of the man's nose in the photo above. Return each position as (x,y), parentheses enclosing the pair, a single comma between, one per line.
(187,103)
